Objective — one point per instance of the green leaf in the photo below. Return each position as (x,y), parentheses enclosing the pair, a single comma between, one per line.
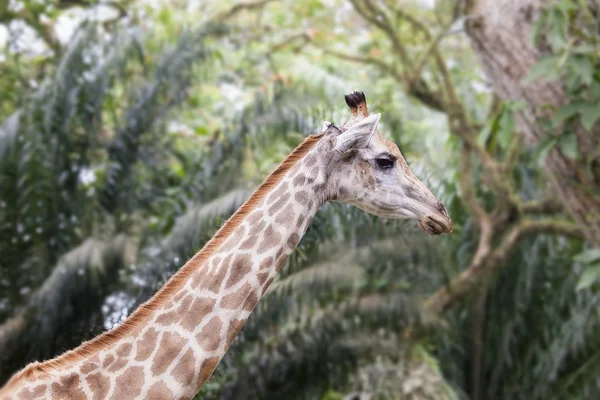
(545,146)
(507,127)
(567,5)
(589,276)
(488,129)
(165,17)
(565,112)
(589,114)
(557,29)
(485,133)
(583,67)
(536,29)
(585,48)
(380,283)
(588,256)
(543,67)
(518,105)
(568,145)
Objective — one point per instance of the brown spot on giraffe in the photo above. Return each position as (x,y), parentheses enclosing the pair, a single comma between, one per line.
(237,236)
(179,296)
(286,216)
(312,175)
(108,361)
(118,365)
(124,350)
(129,384)
(89,367)
(256,229)
(298,181)
(145,344)
(168,318)
(255,217)
(185,303)
(279,203)
(206,336)
(265,286)
(301,219)
(277,193)
(241,266)
(262,277)
(159,391)
(266,263)
(68,388)
(234,328)
(201,306)
(271,239)
(207,368)
(216,261)
(33,393)
(168,349)
(249,243)
(234,300)
(184,371)
(280,261)
(98,384)
(214,284)
(293,240)
(251,301)
(301,197)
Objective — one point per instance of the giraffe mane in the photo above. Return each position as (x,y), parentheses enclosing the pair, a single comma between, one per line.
(177,281)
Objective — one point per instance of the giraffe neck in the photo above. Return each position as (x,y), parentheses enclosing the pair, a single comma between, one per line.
(198,325)
(177,339)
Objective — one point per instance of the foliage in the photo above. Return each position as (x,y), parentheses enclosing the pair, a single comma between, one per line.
(138,138)
(67,179)
(567,28)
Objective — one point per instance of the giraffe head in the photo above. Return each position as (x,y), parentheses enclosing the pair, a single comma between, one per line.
(369,172)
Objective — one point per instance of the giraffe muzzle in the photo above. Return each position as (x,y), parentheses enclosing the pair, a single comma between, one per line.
(435,226)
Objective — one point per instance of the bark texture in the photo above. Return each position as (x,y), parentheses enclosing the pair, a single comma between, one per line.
(500,33)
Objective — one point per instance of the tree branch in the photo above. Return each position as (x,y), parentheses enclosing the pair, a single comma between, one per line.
(466,184)
(378,18)
(545,206)
(237,8)
(552,226)
(415,88)
(459,287)
(482,267)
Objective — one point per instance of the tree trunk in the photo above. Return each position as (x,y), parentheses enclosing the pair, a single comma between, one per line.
(500,34)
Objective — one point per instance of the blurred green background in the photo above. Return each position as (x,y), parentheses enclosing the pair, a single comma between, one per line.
(131,130)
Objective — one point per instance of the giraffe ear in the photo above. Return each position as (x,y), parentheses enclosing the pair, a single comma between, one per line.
(358,135)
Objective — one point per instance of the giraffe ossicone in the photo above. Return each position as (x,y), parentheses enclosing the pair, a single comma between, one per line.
(169,347)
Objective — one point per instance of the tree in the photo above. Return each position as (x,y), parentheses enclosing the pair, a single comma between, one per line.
(544,55)
(499,309)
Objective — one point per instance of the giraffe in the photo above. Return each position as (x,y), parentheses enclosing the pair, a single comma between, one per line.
(169,347)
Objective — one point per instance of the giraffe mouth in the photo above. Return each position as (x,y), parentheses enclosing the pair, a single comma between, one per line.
(435,227)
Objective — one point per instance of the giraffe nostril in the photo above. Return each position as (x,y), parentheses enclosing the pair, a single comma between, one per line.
(442,209)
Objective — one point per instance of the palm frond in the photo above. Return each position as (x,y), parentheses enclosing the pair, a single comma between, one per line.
(308,357)
(55,318)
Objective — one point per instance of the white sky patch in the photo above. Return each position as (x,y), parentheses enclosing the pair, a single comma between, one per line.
(22,39)
(87,176)
(179,128)
(428,3)
(67,22)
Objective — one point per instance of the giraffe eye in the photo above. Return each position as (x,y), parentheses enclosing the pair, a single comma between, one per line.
(384,163)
